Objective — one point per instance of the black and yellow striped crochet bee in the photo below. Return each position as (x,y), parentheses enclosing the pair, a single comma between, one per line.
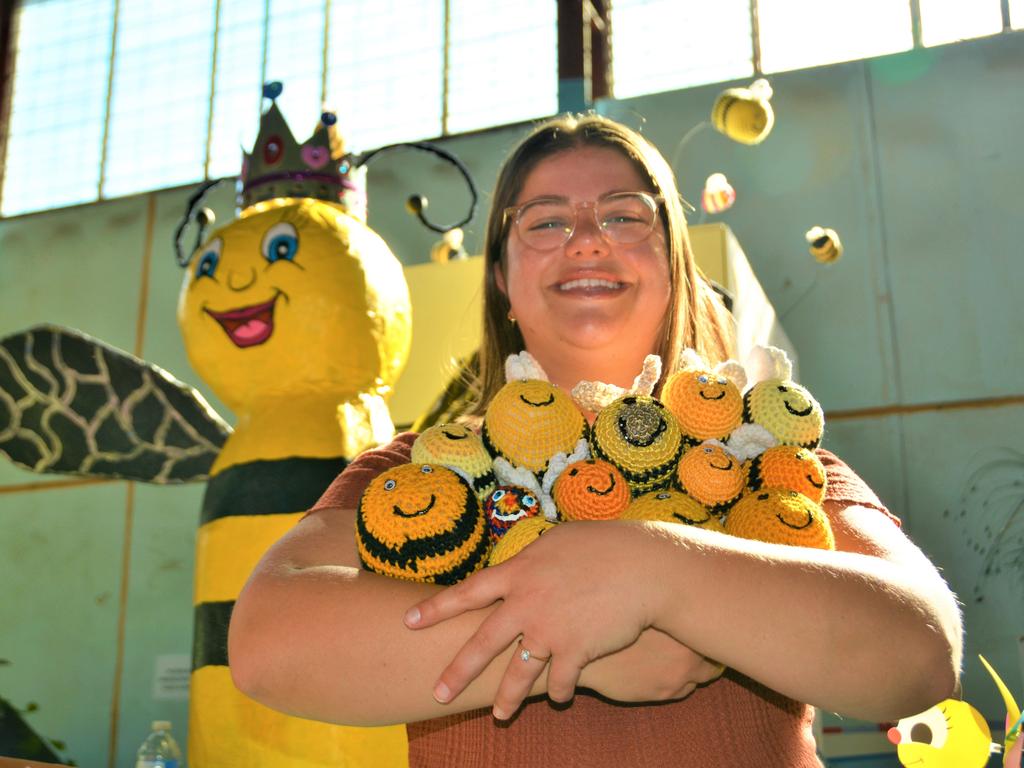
(421,522)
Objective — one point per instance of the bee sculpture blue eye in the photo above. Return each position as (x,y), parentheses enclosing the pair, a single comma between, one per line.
(206,265)
(280,243)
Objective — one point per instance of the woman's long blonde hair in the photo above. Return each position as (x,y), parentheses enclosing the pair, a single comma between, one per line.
(696,318)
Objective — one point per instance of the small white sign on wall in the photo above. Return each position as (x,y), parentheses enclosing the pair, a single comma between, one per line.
(171,676)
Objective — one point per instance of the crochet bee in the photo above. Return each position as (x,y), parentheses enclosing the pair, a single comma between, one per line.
(791,467)
(421,522)
(780,516)
(706,401)
(591,490)
(530,420)
(670,506)
(459,448)
(711,475)
(506,505)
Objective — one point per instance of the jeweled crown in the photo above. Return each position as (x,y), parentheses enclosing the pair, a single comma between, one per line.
(279,166)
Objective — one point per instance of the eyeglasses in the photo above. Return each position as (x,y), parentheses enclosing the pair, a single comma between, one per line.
(622,217)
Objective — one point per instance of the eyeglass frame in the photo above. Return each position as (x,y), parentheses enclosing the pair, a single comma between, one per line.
(512,213)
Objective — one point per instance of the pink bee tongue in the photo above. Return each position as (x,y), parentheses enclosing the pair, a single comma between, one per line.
(250,329)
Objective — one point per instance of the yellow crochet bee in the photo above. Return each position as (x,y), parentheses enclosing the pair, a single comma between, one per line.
(421,522)
(530,420)
(641,438)
(518,537)
(671,506)
(459,448)
(780,516)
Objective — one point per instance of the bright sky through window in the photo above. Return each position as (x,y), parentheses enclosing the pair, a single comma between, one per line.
(946,21)
(662,45)
(805,33)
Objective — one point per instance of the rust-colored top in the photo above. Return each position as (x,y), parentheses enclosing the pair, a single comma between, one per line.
(732,722)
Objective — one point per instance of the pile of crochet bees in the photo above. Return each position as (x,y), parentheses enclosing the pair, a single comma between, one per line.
(711,452)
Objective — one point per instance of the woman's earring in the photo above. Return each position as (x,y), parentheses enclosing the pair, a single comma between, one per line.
(511,317)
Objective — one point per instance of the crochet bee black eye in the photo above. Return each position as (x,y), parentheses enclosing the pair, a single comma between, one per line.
(629,400)
(762,497)
(573,472)
(591,461)
(782,388)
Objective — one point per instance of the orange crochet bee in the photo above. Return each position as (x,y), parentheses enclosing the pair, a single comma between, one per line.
(591,490)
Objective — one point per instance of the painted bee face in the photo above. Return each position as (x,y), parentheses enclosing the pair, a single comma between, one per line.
(641,438)
(591,490)
(791,467)
(530,421)
(711,475)
(780,516)
(507,505)
(271,297)
(786,410)
(421,522)
(707,405)
(952,734)
(671,506)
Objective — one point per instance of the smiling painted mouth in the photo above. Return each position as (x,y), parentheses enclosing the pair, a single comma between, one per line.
(819,486)
(718,397)
(450,436)
(418,513)
(247,326)
(795,412)
(726,468)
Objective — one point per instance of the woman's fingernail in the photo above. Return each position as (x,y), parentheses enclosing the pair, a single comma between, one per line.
(412,617)
(441,693)
(499,714)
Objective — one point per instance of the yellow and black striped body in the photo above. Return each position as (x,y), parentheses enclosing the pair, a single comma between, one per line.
(246,508)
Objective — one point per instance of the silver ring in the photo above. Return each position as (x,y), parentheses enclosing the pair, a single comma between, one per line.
(525,655)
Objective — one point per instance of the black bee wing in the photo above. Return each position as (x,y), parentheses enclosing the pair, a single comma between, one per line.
(72,404)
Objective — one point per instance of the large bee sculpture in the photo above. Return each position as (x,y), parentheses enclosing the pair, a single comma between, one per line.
(297,315)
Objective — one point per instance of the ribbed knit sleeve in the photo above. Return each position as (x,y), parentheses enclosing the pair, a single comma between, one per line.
(347,487)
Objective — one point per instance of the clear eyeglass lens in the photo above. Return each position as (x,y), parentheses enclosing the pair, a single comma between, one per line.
(623,218)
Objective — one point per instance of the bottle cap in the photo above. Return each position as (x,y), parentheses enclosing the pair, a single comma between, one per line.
(161,725)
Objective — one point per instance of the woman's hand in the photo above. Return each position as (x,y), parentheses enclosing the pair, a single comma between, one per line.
(656,667)
(582,591)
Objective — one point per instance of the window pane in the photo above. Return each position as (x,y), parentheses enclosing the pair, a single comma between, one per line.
(945,21)
(661,45)
(236,93)
(62,57)
(160,97)
(503,62)
(384,72)
(1017,14)
(295,46)
(807,33)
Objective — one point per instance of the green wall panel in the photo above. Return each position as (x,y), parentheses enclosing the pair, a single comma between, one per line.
(965,475)
(949,149)
(159,609)
(60,566)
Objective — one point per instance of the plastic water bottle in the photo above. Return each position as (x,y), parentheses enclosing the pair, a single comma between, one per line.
(159,750)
